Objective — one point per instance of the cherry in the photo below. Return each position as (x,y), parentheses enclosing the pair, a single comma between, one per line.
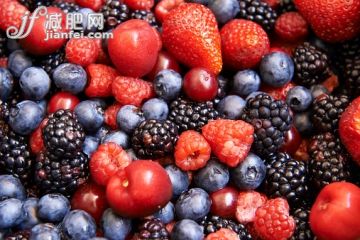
(292,141)
(36,140)
(164,61)
(224,202)
(200,85)
(62,100)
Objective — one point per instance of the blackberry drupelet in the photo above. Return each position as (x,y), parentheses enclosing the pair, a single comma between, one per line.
(52,61)
(259,12)
(3,47)
(154,138)
(214,223)
(311,65)
(286,177)
(327,110)
(33,4)
(352,78)
(222,89)
(115,12)
(4,111)
(188,115)
(67,7)
(63,135)
(329,161)
(286,6)
(347,52)
(153,229)
(302,230)
(4,130)
(147,16)
(20,235)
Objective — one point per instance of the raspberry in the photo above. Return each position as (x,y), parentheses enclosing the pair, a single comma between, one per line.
(278,93)
(102,58)
(4,62)
(230,140)
(132,91)
(223,234)
(106,161)
(291,26)
(36,141)
(272,220)
(247,204)
(11,13)
(92,4)
(100,78)
(192,151)
(81,51)
(110,115)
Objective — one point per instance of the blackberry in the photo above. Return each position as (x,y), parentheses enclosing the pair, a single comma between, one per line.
(63,135)
(327,110)
(311,65)
(148,16)
(60,175)
(302,230)
(329,161)
(4,111)
(33,4)
(222,89)
(154,138)
(4,130)
(259,12)
(153,229)
(115,12)
(352,78)
(286,177)
(271,119)
(286,6)
(347,52)
(188,115)
(67,7)
(3,47)
(52,61)
(214,223)
(20,235)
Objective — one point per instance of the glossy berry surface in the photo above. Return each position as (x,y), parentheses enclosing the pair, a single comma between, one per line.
(200,85)
(223,202)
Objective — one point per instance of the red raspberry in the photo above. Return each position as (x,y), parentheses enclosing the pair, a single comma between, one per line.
(133,91)
(3,62)
(278,93)
(110,115)
(11,13)
(36,140)
(230,140)
(108,159)
(100,78)
(291,26)
(103,57)
(272,220)
(92,4)
(247,204)
(192,151)
(82,51)
(139,4)
(223,234)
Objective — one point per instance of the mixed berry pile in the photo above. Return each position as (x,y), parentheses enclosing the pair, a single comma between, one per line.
(199,119)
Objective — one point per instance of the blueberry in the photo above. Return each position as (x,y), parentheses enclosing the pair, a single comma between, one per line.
(25,117)
(102,132)
(250,173)
(30,218)
(90,115)
(179,180)
(166,214)
(90,145)
(11,187)
(317,90)
(155,108)
(214,176)
(129,117)
(118,137)
(78,225)
(252,95)
(114,226)
(35,83)
(18,62)
(193,204)
(303,124)
(167,84)
(246,82)
(224,10)
(187,230)
(85,12)
(6,84)
(131,153)
(276,69)
(231,106)
(98,238)
(53,207)
(299,98)
(45,231)
(11,213)
(203,2)
(70,78)
(43,105)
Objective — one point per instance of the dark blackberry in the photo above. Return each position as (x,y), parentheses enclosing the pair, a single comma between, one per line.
(214,223)
(20,235)
(286,6)
(302,230)
(60,175)
(52,61)
(259,12)
(63,135)
(311,65)
(148,16)
(188,115)
(271,119)
(223,88)
(67,7)
(327,110)
(347,52)
(33,4)
(115,12)
(352,78)
(153,229)
(329,161)
(154,138)
(3,47)
(4,111)
(4,130)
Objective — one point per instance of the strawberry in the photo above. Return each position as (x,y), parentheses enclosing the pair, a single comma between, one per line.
(164,7)
(230,140)
(92,4)
(243,44)
(139,4)
(82,51)
(292,27)
(100,78)
(11,13)
(110,115)
(247,204)
(223,234)
(191,35)
(334,21)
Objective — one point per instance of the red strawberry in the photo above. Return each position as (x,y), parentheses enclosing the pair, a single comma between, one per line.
(133,91)
(110,115)
(82,51)
(92,4)
(292,27)
(332,21)
(11,13)
(243,44)
(100,78)
(139,4)
(247,204)
(230,140)
(223,234)
(164,7)
(191,35)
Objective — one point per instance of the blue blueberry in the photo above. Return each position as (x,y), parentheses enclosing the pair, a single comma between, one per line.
(317,90)
(246,82)
(166,214)
(85,13)
(101,102)
(114,226)
(98,238)
(214,176)
(18,62)
(43,105)
(299,98)
(45,231)
(118,137)
(155,108)
(302,122)
(78,225)
(11,187)
(179,180)
(25,117)
(102,132)
(90,115)
(30,218)
(11,213)
(187,230)
(70,78)
(129,117)
(224,10)
(53,207)
(193,204)
(167,84)
(90,145)
(250,173)
(276,69)
(6,84)
(35,83)
(252,95)
(231,106)
(131,153)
